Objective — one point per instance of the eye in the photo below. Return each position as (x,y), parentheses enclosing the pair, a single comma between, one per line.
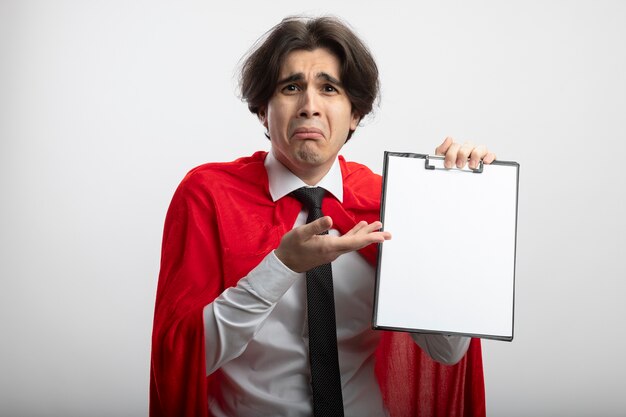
(329,89)
(291,88)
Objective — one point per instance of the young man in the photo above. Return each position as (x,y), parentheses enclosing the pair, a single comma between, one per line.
(235,318)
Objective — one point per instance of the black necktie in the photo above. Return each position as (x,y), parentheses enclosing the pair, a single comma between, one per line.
(325,376)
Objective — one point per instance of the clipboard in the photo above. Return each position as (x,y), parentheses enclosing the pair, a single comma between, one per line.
(450,265)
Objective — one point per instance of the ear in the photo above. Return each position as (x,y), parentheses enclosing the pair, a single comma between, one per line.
(354,120)
(262,114)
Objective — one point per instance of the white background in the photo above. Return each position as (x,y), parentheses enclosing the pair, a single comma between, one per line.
(105,105)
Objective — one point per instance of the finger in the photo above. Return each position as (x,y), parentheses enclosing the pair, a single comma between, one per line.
(366,235)
(477,154)
(451,155)
(464,152)
(316,227)
(443,148)
(346,243)
(384,235)
(372,227)
(359,226)
(489,158)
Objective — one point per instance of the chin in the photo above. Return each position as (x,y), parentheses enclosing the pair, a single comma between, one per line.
(308,152)
(308,156)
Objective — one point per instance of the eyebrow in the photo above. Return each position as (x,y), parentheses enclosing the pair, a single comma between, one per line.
(300,76)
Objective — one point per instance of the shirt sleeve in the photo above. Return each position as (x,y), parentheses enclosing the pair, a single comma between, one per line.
(234,317)
(446,349)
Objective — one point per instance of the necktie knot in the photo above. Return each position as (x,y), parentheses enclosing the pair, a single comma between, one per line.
(310,197)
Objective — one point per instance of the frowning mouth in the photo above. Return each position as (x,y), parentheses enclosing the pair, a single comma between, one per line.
(307,133)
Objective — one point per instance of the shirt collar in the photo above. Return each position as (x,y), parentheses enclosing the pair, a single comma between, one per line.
(282,181)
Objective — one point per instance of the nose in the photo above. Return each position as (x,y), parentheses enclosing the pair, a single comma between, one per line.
(309,104)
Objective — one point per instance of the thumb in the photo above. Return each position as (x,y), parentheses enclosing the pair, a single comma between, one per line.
(443,148)
(316,227)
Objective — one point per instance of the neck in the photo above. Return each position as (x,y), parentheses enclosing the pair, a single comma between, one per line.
(308,171)
(312,177)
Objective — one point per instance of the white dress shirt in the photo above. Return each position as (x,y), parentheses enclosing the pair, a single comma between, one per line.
(256,333)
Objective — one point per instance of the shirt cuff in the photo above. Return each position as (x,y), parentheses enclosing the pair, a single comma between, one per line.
(271,278)
(446,349)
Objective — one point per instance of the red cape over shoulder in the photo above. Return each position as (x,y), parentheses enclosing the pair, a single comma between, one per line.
(201,256)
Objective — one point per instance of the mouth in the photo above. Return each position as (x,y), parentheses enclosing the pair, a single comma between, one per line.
(307,133)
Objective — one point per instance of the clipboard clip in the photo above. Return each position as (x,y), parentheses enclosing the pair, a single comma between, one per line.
(427,165)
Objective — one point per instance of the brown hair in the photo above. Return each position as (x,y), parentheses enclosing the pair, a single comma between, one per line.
(260,69)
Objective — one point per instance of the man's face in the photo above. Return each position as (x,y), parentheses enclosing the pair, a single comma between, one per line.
(309,116)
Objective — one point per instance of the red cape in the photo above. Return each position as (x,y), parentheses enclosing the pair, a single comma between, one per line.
(201,256)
